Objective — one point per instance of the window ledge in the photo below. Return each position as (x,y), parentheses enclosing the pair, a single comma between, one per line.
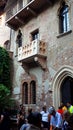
(63,34)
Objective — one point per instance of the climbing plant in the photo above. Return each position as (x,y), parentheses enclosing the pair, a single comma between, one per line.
(4,68)
(5,97)
(5,82)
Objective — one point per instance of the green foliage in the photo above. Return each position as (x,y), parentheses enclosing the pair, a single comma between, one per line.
(4,67)
(5,97)
(5,82)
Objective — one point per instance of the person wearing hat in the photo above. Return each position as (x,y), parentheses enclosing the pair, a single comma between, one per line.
(56,119)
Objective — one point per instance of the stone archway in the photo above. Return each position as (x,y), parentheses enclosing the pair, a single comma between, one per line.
(64,72)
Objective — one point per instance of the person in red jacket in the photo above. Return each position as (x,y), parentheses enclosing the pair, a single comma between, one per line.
(60,110)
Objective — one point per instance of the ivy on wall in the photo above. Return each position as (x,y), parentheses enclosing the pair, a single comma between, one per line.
(4,68)
(4,96)
(5,82)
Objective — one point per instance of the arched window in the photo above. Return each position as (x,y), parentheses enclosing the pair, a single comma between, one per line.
(7,45)
(19,38)
(33,92)
(64,18)
(29,92)
(25,93)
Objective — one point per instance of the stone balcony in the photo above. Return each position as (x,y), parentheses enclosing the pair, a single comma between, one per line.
(17,17)
(33,54)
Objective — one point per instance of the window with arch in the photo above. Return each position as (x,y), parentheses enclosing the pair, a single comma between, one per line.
(33,92)
(7,45)
(64,25)
(25,93)
(29,92)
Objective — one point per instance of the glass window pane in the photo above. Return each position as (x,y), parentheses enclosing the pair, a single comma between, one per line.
(25,93)
(33,92)
(64,19)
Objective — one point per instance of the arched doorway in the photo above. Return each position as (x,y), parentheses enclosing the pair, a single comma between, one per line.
(67,90)
(63,83)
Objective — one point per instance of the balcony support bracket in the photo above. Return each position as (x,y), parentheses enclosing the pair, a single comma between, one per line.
(25,66)
(33,12)
(41,61)
(10,26)
(19,20)
(38,61)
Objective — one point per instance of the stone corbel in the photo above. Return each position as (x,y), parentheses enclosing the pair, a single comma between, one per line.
(41,61)
(25,67)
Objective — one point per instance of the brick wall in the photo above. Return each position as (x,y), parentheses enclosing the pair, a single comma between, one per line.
(59,53)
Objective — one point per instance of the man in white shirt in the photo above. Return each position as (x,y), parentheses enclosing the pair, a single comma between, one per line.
(45,118)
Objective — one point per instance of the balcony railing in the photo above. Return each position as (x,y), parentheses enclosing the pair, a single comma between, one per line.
(19,15)
(35,48)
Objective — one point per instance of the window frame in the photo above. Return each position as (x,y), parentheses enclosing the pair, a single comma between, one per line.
(25,93)
(35,34)
(64,25)
(33,92)
(29,92)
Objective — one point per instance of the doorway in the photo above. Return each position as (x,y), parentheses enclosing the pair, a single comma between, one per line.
(62,86)
(67,90)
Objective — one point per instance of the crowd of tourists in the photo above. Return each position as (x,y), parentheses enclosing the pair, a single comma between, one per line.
(45,119)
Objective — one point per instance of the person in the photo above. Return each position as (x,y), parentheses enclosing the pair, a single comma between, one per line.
(24,126)
(64,108)
(37,118)
(70,121)
(66,116)
(70,107)
(28,119)
(5,120)
(34,122)
(29,116)
(1,119)
(21,116)
(45,118)
(60,110)
(56,119)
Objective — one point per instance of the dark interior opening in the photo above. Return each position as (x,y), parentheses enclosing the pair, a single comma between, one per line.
(67,90)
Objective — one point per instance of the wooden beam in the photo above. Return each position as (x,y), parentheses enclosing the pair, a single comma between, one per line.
(17,18)
(10,26)
(33,12)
